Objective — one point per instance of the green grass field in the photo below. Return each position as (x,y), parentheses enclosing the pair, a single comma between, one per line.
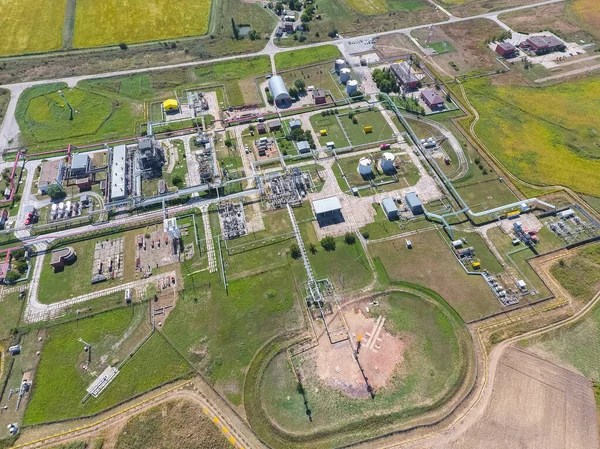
(300,58)
(373,7)
(220,332)
(60,381)
(172,425)
(434,364)
(579,273)
(545,136)
(317,76)
(356,133)
(334,130)
(31,26)
(103,23)
(431,264)
(10,313)
(75,279)
(347,267)
(43,117)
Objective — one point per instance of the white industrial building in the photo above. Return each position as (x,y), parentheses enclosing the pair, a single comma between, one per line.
(390,209)
(118,173)
(414,203)
(328,211)
(280,94)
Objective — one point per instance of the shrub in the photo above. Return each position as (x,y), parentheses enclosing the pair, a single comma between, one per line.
(295,251)
(328,243)
(312,248)
(123,46)
(350,238)
(178,181)
(365,234)
(12,276)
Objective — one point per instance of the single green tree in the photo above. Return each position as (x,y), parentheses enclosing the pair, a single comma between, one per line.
(350,238)
(295,251)
(328,243)
(56,192)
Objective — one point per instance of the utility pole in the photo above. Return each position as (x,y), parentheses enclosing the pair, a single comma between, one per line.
(60,92)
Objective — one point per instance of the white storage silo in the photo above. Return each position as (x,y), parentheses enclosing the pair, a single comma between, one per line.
(387,163)
(364,166)
(339,65)
(351,86)
(344,75)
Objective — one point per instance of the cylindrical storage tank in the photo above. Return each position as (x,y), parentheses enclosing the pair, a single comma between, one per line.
(344,75)
(61,206)
(351,86)
(54,207)
(387,162)
(364,166)
(339,65)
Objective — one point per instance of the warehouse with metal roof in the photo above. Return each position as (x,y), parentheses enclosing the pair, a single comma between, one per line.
(279,91)
(414,203)
(118,182)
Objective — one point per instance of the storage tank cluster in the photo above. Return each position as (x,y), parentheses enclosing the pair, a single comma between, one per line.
(351,86)
(345,75)
(339,65)
(365,166)
(386,163)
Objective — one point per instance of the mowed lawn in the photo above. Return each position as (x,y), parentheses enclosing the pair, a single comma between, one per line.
(107,22)
(31,26)
(545,135)
(44,117)
(356,131)
(299,58)
(60,382)
(431,264)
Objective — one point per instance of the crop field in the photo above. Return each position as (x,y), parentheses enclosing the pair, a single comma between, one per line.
(469,295)
(31,26)
(172,425)
(579,273)
(372,7)
(60,382)
(576,344)
(299,58)
(433,365)
(334,130)
(106,23)
(220,332)
(43,117)
(530,131)
(356,133)
(588,12)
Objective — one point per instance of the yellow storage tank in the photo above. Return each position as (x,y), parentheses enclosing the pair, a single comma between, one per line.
(368,129)
(476,265)
(170,105)
(323,132)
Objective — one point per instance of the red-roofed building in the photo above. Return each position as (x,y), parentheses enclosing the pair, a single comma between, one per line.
(506,50)
(432,99)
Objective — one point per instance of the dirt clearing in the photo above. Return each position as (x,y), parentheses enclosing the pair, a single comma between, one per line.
(535,404)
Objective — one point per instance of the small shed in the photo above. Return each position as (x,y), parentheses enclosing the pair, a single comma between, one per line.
(303,147)
(275,125)
(261,128)
(295,124)
(170,105)
(414,203)
(319,96)
(390,209)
